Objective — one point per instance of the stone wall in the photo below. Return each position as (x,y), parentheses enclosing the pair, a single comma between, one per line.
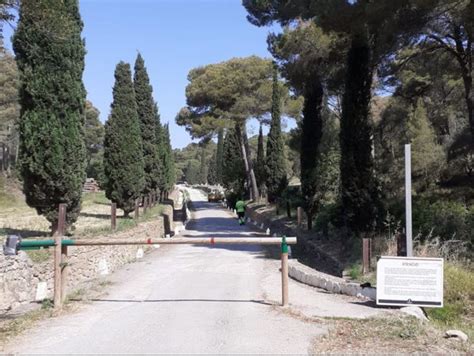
(306,250)
(22,281)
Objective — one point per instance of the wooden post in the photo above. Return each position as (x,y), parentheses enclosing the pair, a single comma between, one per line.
(366,255)
(401,244)
(299,216)
(145,204)
(58,256)
(137,209)
(64,273)
(113,215)
(284,273)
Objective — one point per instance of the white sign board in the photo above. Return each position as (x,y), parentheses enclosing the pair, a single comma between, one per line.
(410,281)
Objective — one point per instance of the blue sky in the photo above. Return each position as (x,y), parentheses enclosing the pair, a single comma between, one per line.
(173,36)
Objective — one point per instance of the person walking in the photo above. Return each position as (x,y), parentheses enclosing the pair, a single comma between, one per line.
(240,209)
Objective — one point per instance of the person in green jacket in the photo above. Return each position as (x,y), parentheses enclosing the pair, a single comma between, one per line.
(240,209)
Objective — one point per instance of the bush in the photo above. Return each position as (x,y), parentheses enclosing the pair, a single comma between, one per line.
(458,296)
(446,219)
(328,218)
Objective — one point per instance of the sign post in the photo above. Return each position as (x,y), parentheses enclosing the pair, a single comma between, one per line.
(409,238)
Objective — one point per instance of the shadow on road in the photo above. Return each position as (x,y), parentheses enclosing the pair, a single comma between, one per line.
(178,300)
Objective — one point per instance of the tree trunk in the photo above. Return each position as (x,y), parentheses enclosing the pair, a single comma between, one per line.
(309,217)
(464,58)
(242,136)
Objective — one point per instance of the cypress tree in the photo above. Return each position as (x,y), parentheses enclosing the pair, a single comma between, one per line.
(260,162)
(219,156)
(50,56)
(159,135)
(233,168)
(212,172)
(233,172)
(123,149)
(311,134)
(147,116)
(168,161)
(358,186)
(203,168)
(275,160)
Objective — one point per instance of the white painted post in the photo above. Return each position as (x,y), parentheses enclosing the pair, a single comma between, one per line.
(409,238)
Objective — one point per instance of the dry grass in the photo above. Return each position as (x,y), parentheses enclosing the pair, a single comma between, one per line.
(393,334)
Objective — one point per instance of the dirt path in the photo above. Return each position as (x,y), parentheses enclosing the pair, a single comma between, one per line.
(195,299)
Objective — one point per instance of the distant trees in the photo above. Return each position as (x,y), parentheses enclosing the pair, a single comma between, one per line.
(50,57)
(94,140)
(123,148)
(225,95)
(9,108)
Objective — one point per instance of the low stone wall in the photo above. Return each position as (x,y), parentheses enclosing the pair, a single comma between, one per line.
(322,262)
(319,259)
(22,281)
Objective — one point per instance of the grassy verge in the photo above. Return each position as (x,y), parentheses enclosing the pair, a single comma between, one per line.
(458,310)
(10,328)
(392,334)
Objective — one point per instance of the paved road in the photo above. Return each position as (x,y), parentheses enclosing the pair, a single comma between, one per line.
(193,299)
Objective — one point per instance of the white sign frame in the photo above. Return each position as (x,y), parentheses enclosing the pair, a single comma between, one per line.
(410,281)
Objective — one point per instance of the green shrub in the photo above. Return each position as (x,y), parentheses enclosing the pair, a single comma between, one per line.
(329,218)
(458,296)
(446,219)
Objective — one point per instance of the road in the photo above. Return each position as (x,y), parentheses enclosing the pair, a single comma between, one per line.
(194,299)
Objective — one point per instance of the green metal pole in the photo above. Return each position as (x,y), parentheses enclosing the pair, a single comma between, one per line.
(36,244)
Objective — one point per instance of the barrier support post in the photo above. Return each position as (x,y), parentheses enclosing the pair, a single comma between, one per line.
(58,257)
(284,272)
(113,216)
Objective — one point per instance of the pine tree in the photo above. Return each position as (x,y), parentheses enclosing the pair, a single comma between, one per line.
(260,163)
(147,116)
(50,57)
(123,149)
(219,156)
(275,161)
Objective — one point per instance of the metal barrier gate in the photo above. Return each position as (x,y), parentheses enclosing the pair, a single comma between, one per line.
(14,244)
